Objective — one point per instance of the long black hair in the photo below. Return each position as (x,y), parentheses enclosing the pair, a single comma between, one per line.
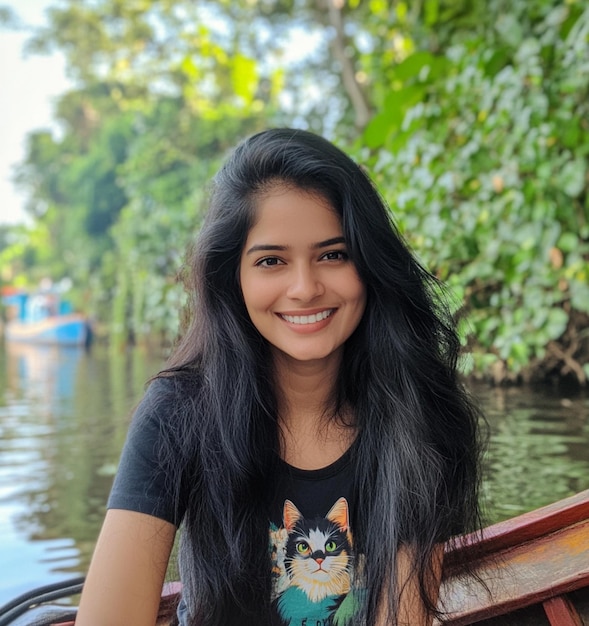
(417,449)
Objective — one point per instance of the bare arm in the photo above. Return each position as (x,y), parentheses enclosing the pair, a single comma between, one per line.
(411,609)
(127,572)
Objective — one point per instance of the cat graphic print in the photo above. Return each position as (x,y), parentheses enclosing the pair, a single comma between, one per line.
(314,568)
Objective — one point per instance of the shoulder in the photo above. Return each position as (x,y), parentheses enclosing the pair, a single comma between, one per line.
(164,421)
(157,458)
(173,386)
(168,395)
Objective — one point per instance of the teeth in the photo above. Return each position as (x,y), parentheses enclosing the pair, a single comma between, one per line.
(307,319)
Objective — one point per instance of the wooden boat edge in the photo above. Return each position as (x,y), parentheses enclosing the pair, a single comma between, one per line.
(546,550)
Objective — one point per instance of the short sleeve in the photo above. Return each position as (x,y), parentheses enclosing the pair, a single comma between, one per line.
(143,479)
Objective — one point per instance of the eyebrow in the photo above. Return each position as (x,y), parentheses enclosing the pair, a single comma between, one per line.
(275,247)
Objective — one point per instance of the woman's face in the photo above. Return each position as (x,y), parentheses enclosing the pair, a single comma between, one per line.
(301,291)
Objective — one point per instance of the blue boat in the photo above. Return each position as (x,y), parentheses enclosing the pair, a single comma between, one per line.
(44,318)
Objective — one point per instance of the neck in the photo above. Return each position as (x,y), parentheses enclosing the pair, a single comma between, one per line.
(305,390)
(310,438)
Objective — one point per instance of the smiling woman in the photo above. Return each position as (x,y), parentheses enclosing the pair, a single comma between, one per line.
(310,432)
(300,288)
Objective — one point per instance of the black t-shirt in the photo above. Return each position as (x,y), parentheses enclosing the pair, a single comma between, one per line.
(315,570)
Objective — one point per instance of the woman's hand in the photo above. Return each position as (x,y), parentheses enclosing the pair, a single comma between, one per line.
(127,572)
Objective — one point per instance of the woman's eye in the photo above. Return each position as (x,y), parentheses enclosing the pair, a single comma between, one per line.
(336,255)
(269,261)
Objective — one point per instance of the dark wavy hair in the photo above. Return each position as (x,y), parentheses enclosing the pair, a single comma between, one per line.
(417,452)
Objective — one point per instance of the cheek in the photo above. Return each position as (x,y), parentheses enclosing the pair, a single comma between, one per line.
(357,293)
(258,296)
(364,299)
(254,293)
(247,285)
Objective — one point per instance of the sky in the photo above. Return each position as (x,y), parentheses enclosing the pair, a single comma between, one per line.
(28,88)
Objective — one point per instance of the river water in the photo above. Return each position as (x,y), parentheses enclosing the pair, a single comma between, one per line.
(63,419)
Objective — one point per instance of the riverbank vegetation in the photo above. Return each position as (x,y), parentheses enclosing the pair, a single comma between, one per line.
(471,115)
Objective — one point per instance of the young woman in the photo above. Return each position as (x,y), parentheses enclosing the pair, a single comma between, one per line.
(310,432)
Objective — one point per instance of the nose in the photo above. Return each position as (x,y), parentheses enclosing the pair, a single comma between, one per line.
(305,284)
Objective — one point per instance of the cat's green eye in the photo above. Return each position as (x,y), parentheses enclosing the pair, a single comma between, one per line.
(302,547)
(330,546)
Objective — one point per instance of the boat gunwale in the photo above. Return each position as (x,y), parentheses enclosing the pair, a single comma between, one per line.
(518,530)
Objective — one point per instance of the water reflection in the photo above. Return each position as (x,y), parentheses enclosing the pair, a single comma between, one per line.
(538,450)
(63,418)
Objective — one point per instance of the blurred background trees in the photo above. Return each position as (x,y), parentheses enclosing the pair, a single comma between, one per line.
(472,116)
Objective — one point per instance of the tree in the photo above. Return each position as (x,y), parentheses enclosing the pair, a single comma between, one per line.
(482,149)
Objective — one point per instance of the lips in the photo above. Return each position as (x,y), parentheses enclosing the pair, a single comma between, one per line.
(307,319)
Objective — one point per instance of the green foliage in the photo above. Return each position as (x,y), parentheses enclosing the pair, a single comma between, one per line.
(165,175)
(483,158)
(8,18)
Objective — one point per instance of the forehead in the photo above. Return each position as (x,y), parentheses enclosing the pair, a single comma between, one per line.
(291,212)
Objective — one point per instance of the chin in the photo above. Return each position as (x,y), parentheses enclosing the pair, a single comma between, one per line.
(309,357)
(308,354)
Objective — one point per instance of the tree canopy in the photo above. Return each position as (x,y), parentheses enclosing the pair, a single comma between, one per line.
(472,116)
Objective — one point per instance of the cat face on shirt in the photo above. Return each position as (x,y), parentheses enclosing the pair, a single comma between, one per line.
(318,553)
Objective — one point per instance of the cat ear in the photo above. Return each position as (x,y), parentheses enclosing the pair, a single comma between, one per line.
(338,514)
(291,515)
